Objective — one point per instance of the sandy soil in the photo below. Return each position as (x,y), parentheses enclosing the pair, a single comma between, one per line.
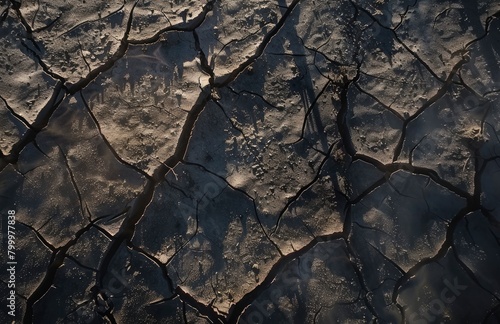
(290,161)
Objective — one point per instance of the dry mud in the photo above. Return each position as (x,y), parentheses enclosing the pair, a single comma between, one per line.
(290,161)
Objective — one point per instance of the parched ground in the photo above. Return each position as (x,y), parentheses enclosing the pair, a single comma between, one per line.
(250,161)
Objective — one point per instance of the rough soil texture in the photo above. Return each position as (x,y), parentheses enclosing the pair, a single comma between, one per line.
(290,161)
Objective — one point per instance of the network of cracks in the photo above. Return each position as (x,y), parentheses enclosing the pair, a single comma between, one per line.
(290,161)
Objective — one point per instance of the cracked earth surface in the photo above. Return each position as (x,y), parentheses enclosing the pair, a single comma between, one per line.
(290,161)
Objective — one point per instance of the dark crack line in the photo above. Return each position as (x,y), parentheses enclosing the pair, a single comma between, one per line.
(160,265)
(75,308)
(239,93)
(44,65)
(184,317)
(205,67)
(239,307)
(369,190)
(184,26)
(491,92)
(403,15)
(46,283)
(410,156)
(396,166)
(445,13)
(449,80)
(224,80)
(316,314)
(35,144)
(49,25)
(81,265)
(473,204)
(371,229)
(175,187)
(428,207)
(391,80)
(352,260)
(104,217)
(488,21)
(254,152)
(37,126)
(297,195)
(244,193)
(438,95)
(308,229)
(389,108)
(108,144)
(336,64)
(214,56)
(466,86)
(184,138)
(83,56)
(118,54)
(308,112)
(467,228)
(35,14)
(143,200)
(126,230)
(481,98)
(39,236)
(73,181)
(4,14)
(382,283)
(29,36)
(396,37)
(16,115)
(91,21)
(109,315)
(317,51)
(389,182)
(342,123)
(386,258)
(163,300)
(208,311)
